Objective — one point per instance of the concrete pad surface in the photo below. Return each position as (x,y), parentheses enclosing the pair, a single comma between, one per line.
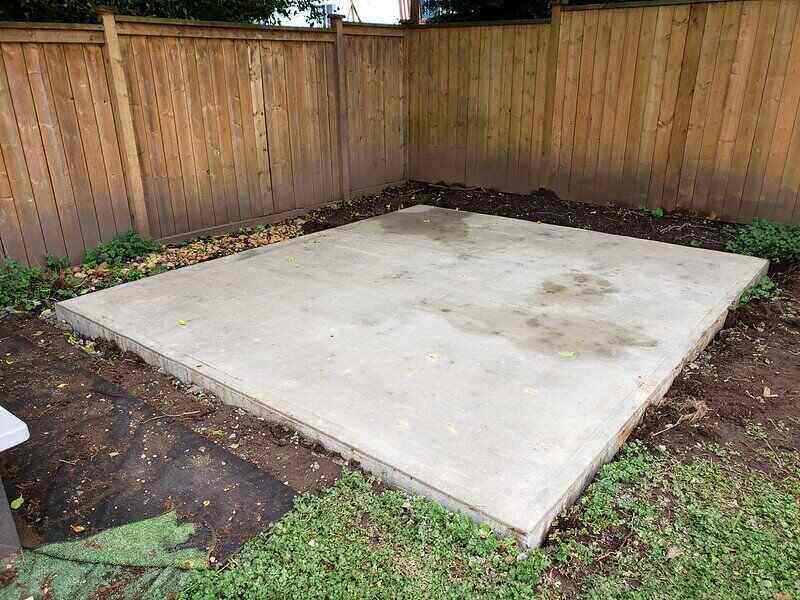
(489,363)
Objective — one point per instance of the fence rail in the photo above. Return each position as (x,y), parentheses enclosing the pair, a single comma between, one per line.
(178,128)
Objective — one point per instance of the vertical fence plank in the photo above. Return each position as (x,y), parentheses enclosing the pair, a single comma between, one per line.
(260,124)
(210,110)
(54,150)
(90,138)
(177,82)
(162,199)
(716,103)
(700,97)
(223,117)
(539,155)
(641,83)
(683,104)
(553,85)
(109,141)
(234,117)
(734,104)
(789,197)
(667,110)
(614,182)
(13,181)
(653,104)
(40,215)
(251,151)
(334,122)
(594,119)
(275,106)
(578,185)
(521,176)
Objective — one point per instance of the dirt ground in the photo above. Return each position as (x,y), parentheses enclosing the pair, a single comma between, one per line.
(746,384)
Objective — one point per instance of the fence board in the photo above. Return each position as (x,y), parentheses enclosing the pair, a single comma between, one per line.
(39,79)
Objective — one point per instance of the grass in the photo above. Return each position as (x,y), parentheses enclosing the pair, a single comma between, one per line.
(652,525)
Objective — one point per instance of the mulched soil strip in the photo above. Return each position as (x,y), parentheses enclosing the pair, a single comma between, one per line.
(99,457)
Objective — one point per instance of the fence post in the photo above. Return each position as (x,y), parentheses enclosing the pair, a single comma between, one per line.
(414,12)
(119,90)
(341,93)
(550,89)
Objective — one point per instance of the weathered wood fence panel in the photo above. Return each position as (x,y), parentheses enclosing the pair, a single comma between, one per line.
(376,106)
(62,184)
(688,105)
(230,126)
(476,104)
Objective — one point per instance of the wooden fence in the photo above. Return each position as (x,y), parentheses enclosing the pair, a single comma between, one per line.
(685,105)
(176,129)
(203,127)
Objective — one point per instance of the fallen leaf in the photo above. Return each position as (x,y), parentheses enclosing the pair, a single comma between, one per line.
(206,502)
(77,528)
(181,322)
(567,353)
(16,504)
(768,393)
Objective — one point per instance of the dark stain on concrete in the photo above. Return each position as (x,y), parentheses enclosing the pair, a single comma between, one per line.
(573,287)
(440,226)
(549,334)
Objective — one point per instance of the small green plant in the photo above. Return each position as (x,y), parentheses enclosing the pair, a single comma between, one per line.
(31,287)
(777,242)
(656,212)
(120,250)
(764,289)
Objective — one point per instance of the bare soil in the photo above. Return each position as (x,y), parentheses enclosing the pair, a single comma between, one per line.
(746,384)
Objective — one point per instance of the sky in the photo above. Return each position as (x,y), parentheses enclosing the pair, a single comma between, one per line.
(370,11)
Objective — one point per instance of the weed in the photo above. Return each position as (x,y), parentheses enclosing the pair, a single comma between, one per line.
(763,289)
(656,212)
(31,287)
(120,250)
(777,242)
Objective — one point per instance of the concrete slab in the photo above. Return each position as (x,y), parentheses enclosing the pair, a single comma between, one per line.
(490,363)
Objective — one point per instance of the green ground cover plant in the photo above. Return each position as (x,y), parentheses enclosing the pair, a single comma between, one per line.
(764,289)
(653,525)
(777,242)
